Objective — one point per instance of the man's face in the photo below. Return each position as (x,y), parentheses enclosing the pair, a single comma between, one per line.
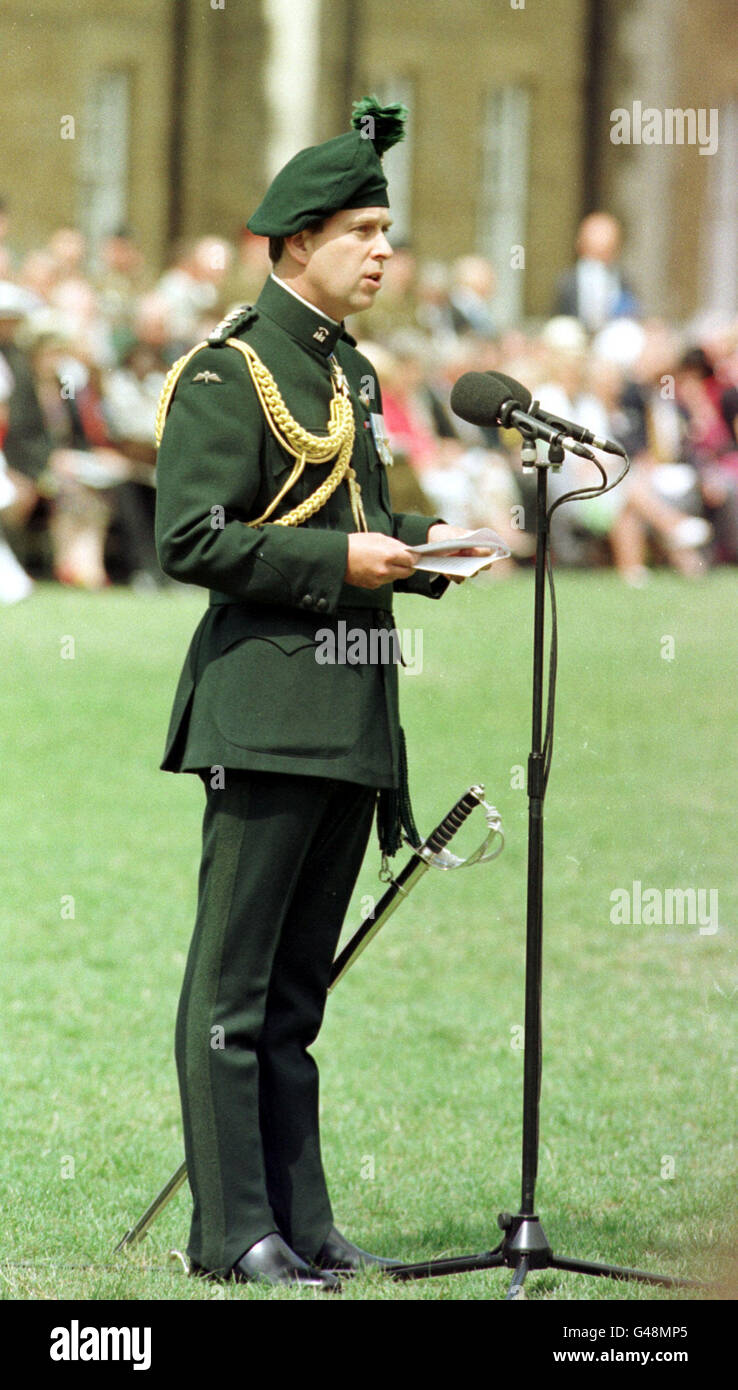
(599,238)
(343,272)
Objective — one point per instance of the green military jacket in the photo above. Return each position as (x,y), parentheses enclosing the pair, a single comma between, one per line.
(253,693)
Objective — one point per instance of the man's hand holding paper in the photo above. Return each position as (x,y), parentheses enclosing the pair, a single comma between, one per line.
(443,553)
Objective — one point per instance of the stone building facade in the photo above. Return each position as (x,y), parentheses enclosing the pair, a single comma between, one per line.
(172,115)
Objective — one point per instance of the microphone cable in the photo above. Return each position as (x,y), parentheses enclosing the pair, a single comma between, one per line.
(577,494)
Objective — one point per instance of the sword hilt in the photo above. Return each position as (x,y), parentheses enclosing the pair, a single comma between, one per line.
(433,850)
(454,820)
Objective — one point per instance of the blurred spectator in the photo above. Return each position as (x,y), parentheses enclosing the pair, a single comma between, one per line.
(473,283)
(122,277)
(711,407)
(80,461)
(621,342)
(564,392)
(131,395)
(657,499)
(662,492)
(466,354)
(68,247)
(73,295)
(654,424)
(433,313)
(130,398)
(152,327)
(15,584)
(82,466)
(39,273)
(26,444)
(57,443)
(407,412)
(595,290)
(461,478)
(248,269)
(192,288)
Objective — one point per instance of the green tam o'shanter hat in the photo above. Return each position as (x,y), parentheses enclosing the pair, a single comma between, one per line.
(345,172)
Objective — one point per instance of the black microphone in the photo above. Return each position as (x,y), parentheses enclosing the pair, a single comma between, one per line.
(485,398)
(522,395)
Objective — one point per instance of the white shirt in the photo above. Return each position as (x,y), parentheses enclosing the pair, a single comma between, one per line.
(597,289)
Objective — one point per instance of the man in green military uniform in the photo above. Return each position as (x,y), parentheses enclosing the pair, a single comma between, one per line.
(272,494)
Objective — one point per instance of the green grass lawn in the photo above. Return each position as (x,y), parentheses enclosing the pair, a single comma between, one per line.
(421,1075)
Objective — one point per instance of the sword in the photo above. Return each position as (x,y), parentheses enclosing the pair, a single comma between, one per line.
(432,853)
(138,1231)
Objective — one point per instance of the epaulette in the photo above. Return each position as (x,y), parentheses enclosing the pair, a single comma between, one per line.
(238,318)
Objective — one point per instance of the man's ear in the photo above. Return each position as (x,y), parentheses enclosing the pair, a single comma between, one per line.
(297,247)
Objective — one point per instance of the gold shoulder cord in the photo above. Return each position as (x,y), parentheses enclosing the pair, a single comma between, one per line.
(303,446)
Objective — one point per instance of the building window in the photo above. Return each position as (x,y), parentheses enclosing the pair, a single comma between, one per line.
(503,202)
(104,156)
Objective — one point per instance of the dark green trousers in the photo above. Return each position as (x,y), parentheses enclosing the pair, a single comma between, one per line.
(280,858)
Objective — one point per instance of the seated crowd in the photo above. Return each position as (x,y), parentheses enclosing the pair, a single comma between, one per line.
(84,354)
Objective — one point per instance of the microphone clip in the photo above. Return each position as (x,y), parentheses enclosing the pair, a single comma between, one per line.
(512,416)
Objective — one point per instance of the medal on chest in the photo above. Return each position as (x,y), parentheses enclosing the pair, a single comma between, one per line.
(381,439)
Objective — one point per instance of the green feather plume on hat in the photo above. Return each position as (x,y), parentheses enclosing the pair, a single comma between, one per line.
(388,122)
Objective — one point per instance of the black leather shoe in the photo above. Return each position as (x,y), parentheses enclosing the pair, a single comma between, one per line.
(271,1261)
(338,1256)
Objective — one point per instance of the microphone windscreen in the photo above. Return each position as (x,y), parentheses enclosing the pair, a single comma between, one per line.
(515,389)
(478,397)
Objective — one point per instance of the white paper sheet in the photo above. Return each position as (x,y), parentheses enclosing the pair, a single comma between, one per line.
(439,557)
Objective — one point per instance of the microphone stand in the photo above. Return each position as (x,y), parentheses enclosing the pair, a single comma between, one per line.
(524,1245)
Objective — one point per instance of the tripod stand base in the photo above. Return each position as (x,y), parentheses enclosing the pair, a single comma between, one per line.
(524,1247)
